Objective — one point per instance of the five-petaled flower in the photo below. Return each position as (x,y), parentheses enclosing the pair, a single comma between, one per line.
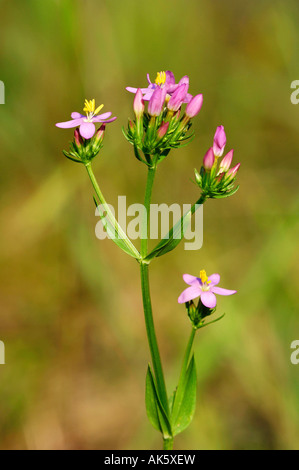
(86,125)
(166,81)
(204,287)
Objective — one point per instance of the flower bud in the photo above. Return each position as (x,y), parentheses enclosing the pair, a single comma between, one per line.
(220,177)
(162,131)
(131,125)
(138,104)
(209,159)
(78,138)
(194,106)
(156,103)
(99,135)
(177,98)
(219,141)
(226,162)
(233,171)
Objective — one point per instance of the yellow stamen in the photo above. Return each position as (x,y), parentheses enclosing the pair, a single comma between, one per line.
(161,78)
(203,277)
(98,109)
(90,107)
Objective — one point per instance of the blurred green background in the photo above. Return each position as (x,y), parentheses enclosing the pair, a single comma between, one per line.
(71,310)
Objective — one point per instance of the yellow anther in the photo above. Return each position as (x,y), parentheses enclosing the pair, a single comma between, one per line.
(98,109)
(161,78)
(90,107)
(203,277)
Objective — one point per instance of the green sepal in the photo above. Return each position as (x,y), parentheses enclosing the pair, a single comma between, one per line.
(154,408)
(67,155)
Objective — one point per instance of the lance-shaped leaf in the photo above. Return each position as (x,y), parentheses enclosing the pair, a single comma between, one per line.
(175,235)
(154,409)
(114,231)
(185,400)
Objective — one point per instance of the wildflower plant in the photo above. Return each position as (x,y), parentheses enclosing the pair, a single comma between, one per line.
(163,114)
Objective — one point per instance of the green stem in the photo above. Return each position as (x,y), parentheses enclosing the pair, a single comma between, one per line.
(168,444)
(147,306)
(199,202)
(187,353)
(151,335)
(146,215)
(110,215)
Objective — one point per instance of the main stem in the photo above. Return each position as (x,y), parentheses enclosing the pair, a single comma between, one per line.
(147,306)
(151,335)
(146,214)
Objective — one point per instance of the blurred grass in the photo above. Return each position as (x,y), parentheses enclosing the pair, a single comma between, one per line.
(71,312)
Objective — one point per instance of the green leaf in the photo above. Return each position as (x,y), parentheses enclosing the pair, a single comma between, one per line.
(154,409)
(173,238)
(185,400)
(113,231)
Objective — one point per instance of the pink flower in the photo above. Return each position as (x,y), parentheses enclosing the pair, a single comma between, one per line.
(162,131)
(204,287)
(226,162)
(86,125)
(138,104)
(164,80)
(194,106)
(156,103)
(178,97)
(209,159)
(233,171)
(219,141)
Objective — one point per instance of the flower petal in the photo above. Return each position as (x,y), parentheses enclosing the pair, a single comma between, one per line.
(87,130)
(190,293)
(184,81)
(208,299)
(170,80)
(101,117)
(134,90)
(190,279)
(148,95)
(221,291)
(76,115)
(188,98)
(109,120)
(69,124)
(214,279)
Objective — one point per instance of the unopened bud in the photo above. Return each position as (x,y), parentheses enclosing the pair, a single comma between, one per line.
(219,141)
(131,126)
(162,131)
(233,171)
(209,159)
(99,135)
(138,104)
(156,103)
(177,98)
(78,138)
(226,161)
(194,106)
